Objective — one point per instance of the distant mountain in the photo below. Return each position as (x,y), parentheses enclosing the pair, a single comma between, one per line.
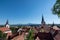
(30,24)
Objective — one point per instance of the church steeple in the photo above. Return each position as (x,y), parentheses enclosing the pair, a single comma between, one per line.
(7,24)
(43,22)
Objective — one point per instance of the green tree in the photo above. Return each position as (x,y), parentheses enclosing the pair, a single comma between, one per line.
(56,8)
(1,34)
(12,29)
(4,36)
(30,36)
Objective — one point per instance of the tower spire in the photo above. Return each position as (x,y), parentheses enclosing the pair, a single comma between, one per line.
(7,24)
(42,22)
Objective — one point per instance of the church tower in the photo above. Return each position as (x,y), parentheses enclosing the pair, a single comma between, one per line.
(53,24)
(7,24)
(42,22)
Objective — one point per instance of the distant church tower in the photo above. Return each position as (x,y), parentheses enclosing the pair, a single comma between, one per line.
(53,24)
(42,22)
(7,24)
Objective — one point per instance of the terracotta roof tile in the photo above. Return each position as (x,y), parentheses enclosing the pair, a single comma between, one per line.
(3,29)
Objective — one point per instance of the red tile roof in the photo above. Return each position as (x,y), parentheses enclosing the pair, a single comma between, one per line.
(3,29)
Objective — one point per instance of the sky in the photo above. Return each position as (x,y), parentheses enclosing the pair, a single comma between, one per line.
(27,11)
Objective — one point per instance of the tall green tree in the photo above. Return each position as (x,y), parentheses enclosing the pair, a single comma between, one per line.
(30,36)
(56,8)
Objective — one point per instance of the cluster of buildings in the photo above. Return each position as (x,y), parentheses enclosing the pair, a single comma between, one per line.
(24,30)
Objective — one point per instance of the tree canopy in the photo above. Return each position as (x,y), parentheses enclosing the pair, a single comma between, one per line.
(56,8)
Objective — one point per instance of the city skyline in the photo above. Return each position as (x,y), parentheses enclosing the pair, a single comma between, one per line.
(27,11)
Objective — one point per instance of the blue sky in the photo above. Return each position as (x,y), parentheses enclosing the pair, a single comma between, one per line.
(27,11)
